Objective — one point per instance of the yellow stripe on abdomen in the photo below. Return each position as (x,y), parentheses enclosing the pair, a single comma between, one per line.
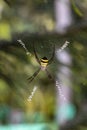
(44,64)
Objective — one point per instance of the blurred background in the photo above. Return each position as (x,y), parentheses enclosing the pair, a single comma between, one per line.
(43,104)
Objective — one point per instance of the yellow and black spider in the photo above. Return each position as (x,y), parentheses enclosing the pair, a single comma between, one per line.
(43,62)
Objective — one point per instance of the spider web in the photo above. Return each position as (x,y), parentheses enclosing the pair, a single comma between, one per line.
(46,48)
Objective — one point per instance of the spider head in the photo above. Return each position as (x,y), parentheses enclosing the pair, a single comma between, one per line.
(44,63)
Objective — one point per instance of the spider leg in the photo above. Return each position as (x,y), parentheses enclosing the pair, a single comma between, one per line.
(49,75)
(8,3)
(34,75)
(51,59)
(36,56)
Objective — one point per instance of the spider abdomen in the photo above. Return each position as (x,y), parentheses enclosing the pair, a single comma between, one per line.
(44,63)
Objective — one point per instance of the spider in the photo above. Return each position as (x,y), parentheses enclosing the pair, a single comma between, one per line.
(43,62)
